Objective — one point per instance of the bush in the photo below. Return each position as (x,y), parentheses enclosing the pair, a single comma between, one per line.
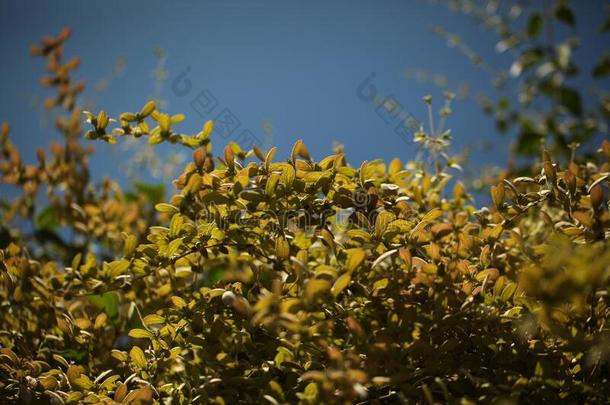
(297,281)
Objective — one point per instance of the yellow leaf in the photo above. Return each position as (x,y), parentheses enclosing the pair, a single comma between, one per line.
(340,284)
(173,246)
(73,373)
(269,157)
(147,109)
(130,245)
(166,208)
(508,291)
(177,118)
(119,355)
(137,357)
(288,175)
(497,195)
(140,334)
(355,257)
(164,122)
(272,181)
(380,284)
(100,321)
(178,302)
(282,248)
(295,150)
(118,267)
(153,319)
(405,255)
(328,238)
(382,221)
(83,382)
(208,127)
(395,167)
(315,287)
(433,214)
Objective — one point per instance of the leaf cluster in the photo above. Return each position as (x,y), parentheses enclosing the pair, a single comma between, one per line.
(301,281)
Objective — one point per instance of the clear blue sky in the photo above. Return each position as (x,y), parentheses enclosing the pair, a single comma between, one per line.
(294,64)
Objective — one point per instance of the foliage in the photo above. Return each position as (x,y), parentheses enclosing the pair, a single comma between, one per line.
(541,101)
(299,281)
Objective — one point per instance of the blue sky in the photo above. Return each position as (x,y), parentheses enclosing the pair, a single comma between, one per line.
(288,67)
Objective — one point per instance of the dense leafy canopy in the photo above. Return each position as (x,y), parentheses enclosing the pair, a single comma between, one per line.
(264,280)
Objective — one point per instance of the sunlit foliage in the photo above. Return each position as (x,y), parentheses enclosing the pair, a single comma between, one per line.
(297,280)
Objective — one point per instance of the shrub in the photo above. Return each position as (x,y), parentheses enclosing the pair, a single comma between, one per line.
(297,281)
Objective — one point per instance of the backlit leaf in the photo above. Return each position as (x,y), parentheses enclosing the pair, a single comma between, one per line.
(340,284)
(137,357)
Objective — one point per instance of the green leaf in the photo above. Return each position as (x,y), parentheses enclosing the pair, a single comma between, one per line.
(48,218)
(528,143)
(252,196)
(508,291)
(564,14)
(310,393)
(571,100)
(534,25)
(380,284)
(78,356)
(283,354)
(154,193)
(215,197)
(602,69)
(109,302)
(605,27)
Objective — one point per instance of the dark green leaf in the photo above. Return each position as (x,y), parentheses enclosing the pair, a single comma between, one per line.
(602,69)
(534,25)
(564,14)
(570,99)
(48,218)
